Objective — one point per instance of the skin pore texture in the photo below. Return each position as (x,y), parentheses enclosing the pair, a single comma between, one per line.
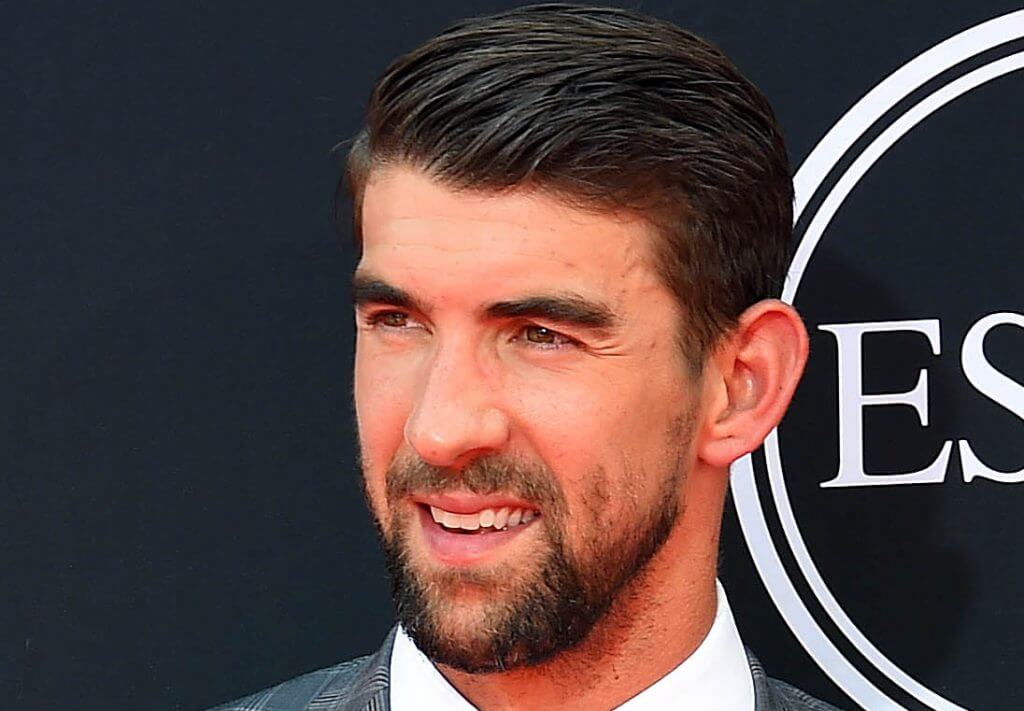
(510,345)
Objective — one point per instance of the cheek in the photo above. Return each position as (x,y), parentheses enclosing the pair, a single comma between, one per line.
(382,404)
(584,423)
(578,433)
(610,444)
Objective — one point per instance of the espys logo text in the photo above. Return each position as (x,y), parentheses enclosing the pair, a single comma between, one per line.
(776,530)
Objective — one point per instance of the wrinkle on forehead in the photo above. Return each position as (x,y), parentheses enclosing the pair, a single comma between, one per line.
(412,223)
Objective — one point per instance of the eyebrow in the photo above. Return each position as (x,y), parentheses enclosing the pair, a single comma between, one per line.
(368,289)
(563,308)
(569,309)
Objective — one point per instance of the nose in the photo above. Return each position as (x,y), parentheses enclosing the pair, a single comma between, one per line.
(456,418)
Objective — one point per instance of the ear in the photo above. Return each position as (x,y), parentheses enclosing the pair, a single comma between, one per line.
(749,381)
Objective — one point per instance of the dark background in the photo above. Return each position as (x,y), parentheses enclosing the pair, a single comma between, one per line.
(930,573)
(181,519)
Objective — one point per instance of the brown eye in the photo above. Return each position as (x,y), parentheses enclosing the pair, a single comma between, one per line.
(394,319)
(539,334)
(545,337)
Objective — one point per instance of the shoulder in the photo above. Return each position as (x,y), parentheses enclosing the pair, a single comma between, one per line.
(358,683)
(774,695)
(297,694)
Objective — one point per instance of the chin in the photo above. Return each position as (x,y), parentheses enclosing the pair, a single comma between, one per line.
(478,623)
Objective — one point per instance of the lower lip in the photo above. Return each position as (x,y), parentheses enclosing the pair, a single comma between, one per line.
(464,548)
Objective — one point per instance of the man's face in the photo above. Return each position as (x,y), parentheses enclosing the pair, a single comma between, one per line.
(524,413)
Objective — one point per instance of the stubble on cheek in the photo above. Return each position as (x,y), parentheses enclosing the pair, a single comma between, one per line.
(374,497)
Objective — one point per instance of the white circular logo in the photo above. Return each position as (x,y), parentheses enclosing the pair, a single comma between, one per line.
(851,129)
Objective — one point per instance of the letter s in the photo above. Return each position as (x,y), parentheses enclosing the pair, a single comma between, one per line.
(994,385)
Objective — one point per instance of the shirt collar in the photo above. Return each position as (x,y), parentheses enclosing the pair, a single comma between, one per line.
(715,677)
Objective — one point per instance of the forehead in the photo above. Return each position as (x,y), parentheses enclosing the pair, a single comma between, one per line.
(414,227)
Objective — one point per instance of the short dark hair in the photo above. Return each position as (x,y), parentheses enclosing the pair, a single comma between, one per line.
(611,110)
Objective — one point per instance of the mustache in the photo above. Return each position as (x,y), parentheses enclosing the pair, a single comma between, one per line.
(486,475)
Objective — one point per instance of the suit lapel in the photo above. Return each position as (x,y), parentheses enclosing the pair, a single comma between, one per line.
(368,690)
(764,699)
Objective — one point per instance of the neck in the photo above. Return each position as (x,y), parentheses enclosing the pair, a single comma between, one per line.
(655,624)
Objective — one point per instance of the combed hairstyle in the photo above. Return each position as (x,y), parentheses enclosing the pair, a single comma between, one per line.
(610,110)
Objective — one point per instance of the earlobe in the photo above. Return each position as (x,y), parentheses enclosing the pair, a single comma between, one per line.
(757,368)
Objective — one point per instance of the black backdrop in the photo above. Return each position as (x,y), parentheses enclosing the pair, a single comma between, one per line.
(180,515)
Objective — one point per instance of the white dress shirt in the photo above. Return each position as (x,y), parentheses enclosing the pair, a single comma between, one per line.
(715,677)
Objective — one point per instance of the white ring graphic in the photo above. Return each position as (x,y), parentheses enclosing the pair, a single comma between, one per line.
(808,179)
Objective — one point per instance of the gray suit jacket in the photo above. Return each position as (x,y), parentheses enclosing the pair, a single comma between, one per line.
(363,684)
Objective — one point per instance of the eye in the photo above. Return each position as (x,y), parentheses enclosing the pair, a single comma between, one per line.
(545,338)
(393,319)
(398,320)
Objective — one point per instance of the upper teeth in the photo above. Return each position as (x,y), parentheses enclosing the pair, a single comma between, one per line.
(488,518)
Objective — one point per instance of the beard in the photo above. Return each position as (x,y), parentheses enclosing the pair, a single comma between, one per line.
(522,615)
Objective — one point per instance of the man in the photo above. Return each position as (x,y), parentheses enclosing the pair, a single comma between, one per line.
(572,221)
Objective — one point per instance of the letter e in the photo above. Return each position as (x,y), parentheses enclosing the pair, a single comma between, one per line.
(852,402)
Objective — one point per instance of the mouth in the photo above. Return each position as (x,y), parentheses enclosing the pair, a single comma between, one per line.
(473,531)
(485,521)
